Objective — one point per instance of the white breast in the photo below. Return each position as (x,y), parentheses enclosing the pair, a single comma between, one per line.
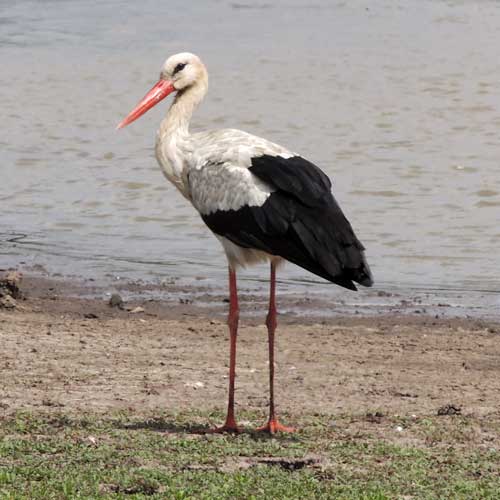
(171,152)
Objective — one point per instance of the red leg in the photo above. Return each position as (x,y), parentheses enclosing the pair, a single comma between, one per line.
(272,425)
(233,318)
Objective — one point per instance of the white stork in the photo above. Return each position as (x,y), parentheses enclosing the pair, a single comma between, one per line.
(262,202)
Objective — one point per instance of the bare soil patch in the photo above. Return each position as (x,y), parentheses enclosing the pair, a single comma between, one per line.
(81,354)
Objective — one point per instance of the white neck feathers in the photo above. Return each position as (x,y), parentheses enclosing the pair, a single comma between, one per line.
(179,114)
(172,144)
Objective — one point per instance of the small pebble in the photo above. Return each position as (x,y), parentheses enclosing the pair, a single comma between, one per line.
(116,301)
(195,385)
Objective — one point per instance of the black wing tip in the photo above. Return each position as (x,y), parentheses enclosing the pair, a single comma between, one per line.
(362,276)
(349,284)
(368,282)
(346,284)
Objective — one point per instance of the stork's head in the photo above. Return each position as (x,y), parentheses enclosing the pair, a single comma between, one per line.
(179,73)
(183,70)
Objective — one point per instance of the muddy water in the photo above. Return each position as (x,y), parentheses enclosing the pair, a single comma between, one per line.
(399,102)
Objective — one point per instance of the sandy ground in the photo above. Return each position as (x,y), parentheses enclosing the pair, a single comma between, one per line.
(77,354)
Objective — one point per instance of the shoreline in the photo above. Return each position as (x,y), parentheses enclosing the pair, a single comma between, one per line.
(168,298)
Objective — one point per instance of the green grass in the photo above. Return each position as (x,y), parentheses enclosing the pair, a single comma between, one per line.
(56,456)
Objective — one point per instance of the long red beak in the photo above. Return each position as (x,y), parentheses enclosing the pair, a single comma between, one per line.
(160,90)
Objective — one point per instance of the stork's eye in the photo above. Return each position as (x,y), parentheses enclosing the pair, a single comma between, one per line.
(179,67)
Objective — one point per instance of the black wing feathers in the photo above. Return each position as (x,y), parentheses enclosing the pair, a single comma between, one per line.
(300,221)
(298,177)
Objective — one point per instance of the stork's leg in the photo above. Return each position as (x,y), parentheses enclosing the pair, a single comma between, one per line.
(272,425)
(232,321)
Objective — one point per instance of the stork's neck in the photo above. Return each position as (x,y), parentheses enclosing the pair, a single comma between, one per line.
(179,115)
(173,144)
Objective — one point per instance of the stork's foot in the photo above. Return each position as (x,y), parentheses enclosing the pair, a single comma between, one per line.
(273,426)
(229,427)
(225,429)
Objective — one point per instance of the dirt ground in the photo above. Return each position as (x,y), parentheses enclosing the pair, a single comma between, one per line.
(77,354)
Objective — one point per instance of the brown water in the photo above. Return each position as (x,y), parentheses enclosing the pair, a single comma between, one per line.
(399,102)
